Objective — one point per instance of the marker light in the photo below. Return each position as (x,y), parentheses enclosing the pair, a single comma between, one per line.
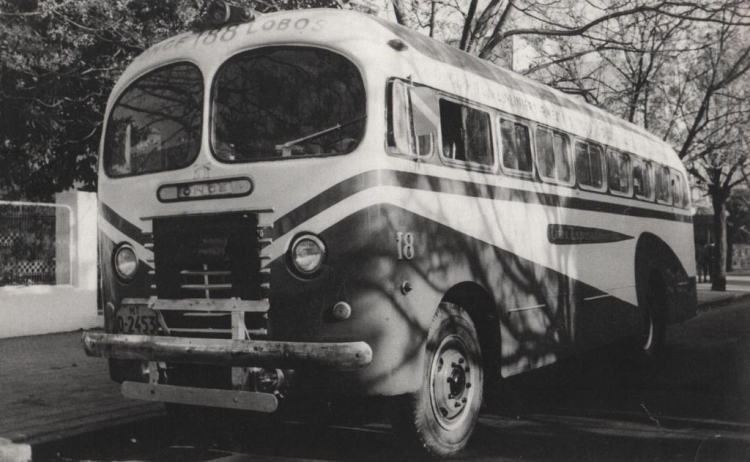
(126,263)
(308,254)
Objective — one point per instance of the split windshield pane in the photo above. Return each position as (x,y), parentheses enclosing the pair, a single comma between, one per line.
(284,102)
(155,124)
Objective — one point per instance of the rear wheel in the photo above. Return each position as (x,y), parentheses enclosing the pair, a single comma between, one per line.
(441,416)
(651,342)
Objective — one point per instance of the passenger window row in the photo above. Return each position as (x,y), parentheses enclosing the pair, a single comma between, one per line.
(419,116)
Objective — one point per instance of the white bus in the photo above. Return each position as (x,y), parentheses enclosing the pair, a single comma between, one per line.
(324,203)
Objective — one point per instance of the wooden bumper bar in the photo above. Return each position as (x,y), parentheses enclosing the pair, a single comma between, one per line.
(230,399)
(225,352)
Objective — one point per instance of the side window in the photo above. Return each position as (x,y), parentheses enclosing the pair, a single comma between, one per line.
(400,133)
(618,168)
(413,119)
(590,166)
(466,133)
(643,179)
(678,198)
(516,146)
(425,119)
(553,156)
(685,194)
(662,185)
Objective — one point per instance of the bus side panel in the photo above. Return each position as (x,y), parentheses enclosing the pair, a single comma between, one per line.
(361,270)
(535,305)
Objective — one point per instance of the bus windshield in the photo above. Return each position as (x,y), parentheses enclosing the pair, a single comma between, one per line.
(280,102)
(156,123)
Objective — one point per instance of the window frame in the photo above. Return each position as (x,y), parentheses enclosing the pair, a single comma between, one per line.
(660,167)
(584,187)
(511,172)
(392,141)
(465,164)
(105,160)
(210,130)
(649,169)
(674,178)
(536,156)
(618,153)
(684,192)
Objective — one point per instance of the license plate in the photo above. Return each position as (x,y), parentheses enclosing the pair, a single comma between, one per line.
(137,319)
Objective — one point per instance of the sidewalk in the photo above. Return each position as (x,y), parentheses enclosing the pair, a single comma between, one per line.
(738,287)
(50,390)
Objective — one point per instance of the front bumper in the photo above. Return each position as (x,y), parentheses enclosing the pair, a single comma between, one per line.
(347,356)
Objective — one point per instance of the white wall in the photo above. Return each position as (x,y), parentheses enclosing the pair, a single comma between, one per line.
(35,310)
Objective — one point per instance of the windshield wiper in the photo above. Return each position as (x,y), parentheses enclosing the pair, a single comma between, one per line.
(286,148)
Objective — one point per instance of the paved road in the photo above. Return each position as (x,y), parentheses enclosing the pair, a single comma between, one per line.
(695,405)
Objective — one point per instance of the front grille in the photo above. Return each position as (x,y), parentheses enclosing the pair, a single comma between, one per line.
(208,257)
(206,281)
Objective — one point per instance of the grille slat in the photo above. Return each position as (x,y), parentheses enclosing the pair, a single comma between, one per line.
(206,287)
(205,273)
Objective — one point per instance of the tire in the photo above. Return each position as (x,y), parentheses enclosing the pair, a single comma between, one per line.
(650,344)
(440,418)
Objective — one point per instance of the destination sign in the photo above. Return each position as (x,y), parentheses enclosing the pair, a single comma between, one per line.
(213,189)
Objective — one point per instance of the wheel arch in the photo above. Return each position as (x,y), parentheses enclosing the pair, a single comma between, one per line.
(478,303)
(657,267)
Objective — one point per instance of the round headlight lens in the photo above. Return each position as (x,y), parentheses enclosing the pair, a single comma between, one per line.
(308,254)
(126,263)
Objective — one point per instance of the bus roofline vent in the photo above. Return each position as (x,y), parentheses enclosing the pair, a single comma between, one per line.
(397,44)
(220,14)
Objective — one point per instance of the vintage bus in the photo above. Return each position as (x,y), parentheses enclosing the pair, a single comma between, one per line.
(321,202)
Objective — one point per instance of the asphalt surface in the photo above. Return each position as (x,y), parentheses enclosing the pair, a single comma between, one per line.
(693,405)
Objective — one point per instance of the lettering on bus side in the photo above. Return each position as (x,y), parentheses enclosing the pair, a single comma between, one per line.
(229,33)
(405,245)
(570,234)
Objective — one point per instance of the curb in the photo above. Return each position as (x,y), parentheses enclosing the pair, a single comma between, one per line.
(723,301)
(11,452)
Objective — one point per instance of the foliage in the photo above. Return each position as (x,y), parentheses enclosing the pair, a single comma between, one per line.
(59,59)
(58,62)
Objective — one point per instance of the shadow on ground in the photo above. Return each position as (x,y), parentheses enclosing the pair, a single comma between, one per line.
(693,404)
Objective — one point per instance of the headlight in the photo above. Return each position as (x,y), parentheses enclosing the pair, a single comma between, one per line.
(308,254)
(126,263)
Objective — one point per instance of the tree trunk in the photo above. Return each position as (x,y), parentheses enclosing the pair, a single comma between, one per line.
(432,19)
(468,26)
(719,266)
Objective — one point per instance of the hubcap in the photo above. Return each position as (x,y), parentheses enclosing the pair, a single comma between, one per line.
(451,377)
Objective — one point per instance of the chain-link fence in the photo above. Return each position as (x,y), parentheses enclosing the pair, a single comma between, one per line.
(34,244)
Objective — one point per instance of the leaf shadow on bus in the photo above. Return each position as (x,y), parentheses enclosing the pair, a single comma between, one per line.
(524,305)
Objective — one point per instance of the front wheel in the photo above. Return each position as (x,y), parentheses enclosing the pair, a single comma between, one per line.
(441,416)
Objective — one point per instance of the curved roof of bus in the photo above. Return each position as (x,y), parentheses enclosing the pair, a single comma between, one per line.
(452,56)
(437,51)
